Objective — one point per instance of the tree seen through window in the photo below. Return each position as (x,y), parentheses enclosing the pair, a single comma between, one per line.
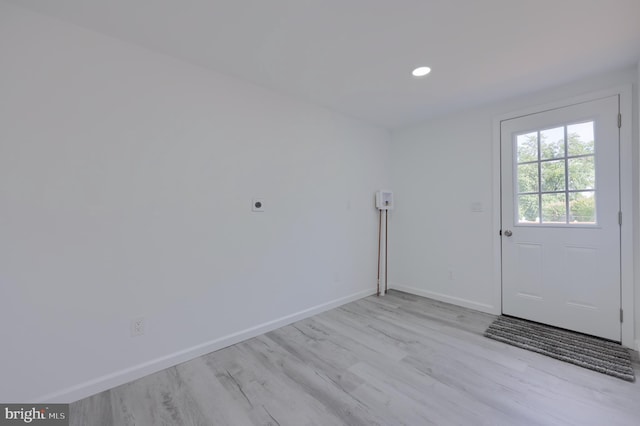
(556,180)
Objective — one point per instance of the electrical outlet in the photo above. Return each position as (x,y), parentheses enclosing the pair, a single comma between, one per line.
(137,326)
(257,204)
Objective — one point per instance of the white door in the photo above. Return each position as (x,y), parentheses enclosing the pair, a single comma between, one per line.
(560,217)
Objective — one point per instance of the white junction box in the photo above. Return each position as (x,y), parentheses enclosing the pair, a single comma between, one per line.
(384,200)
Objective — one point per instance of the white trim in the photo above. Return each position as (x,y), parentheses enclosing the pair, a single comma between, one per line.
(497,216)
(117,378)
(466,303)
(626,204)
(626,189)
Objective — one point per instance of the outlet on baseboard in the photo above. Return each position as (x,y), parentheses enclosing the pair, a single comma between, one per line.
(137,326)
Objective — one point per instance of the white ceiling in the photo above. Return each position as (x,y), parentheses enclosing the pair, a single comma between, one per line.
(356,56)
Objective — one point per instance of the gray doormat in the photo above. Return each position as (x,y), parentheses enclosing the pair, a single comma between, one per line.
(589,352)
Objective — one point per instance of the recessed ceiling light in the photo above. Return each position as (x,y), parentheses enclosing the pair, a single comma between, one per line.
(421,71)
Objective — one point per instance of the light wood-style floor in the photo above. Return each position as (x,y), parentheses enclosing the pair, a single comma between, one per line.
(393,360)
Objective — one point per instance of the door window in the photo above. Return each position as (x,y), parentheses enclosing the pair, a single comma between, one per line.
(555,177)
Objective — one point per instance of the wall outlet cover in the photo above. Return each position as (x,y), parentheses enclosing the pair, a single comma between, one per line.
(257,204)
(137,326)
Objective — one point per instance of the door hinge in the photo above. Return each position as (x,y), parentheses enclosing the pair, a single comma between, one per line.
(619,120)
(621,315)
(620,218)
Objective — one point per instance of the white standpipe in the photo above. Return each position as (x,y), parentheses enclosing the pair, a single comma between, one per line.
(384,203)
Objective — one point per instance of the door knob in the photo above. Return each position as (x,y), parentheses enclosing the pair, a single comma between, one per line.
(508,233)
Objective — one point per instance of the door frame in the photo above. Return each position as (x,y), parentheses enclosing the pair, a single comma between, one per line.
(626,200)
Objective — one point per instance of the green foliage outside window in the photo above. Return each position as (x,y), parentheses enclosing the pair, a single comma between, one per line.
(552,166)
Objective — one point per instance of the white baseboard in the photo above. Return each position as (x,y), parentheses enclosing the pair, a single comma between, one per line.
(471,304)
(117,378)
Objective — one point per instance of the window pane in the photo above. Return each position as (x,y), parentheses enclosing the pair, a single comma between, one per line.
(554,208)
(527,147)
(582,173)
(582,207)
(580,139)
(528,178)
(552,143)
(553,175)
(528,209)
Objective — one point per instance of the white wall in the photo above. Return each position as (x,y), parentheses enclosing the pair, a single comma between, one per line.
(440,248)
(125,186)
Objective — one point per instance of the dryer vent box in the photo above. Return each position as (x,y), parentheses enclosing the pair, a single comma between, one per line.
(384,200)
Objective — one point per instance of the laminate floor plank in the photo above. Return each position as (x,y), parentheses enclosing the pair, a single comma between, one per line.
(399,359)
(265,379)
(302,379)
